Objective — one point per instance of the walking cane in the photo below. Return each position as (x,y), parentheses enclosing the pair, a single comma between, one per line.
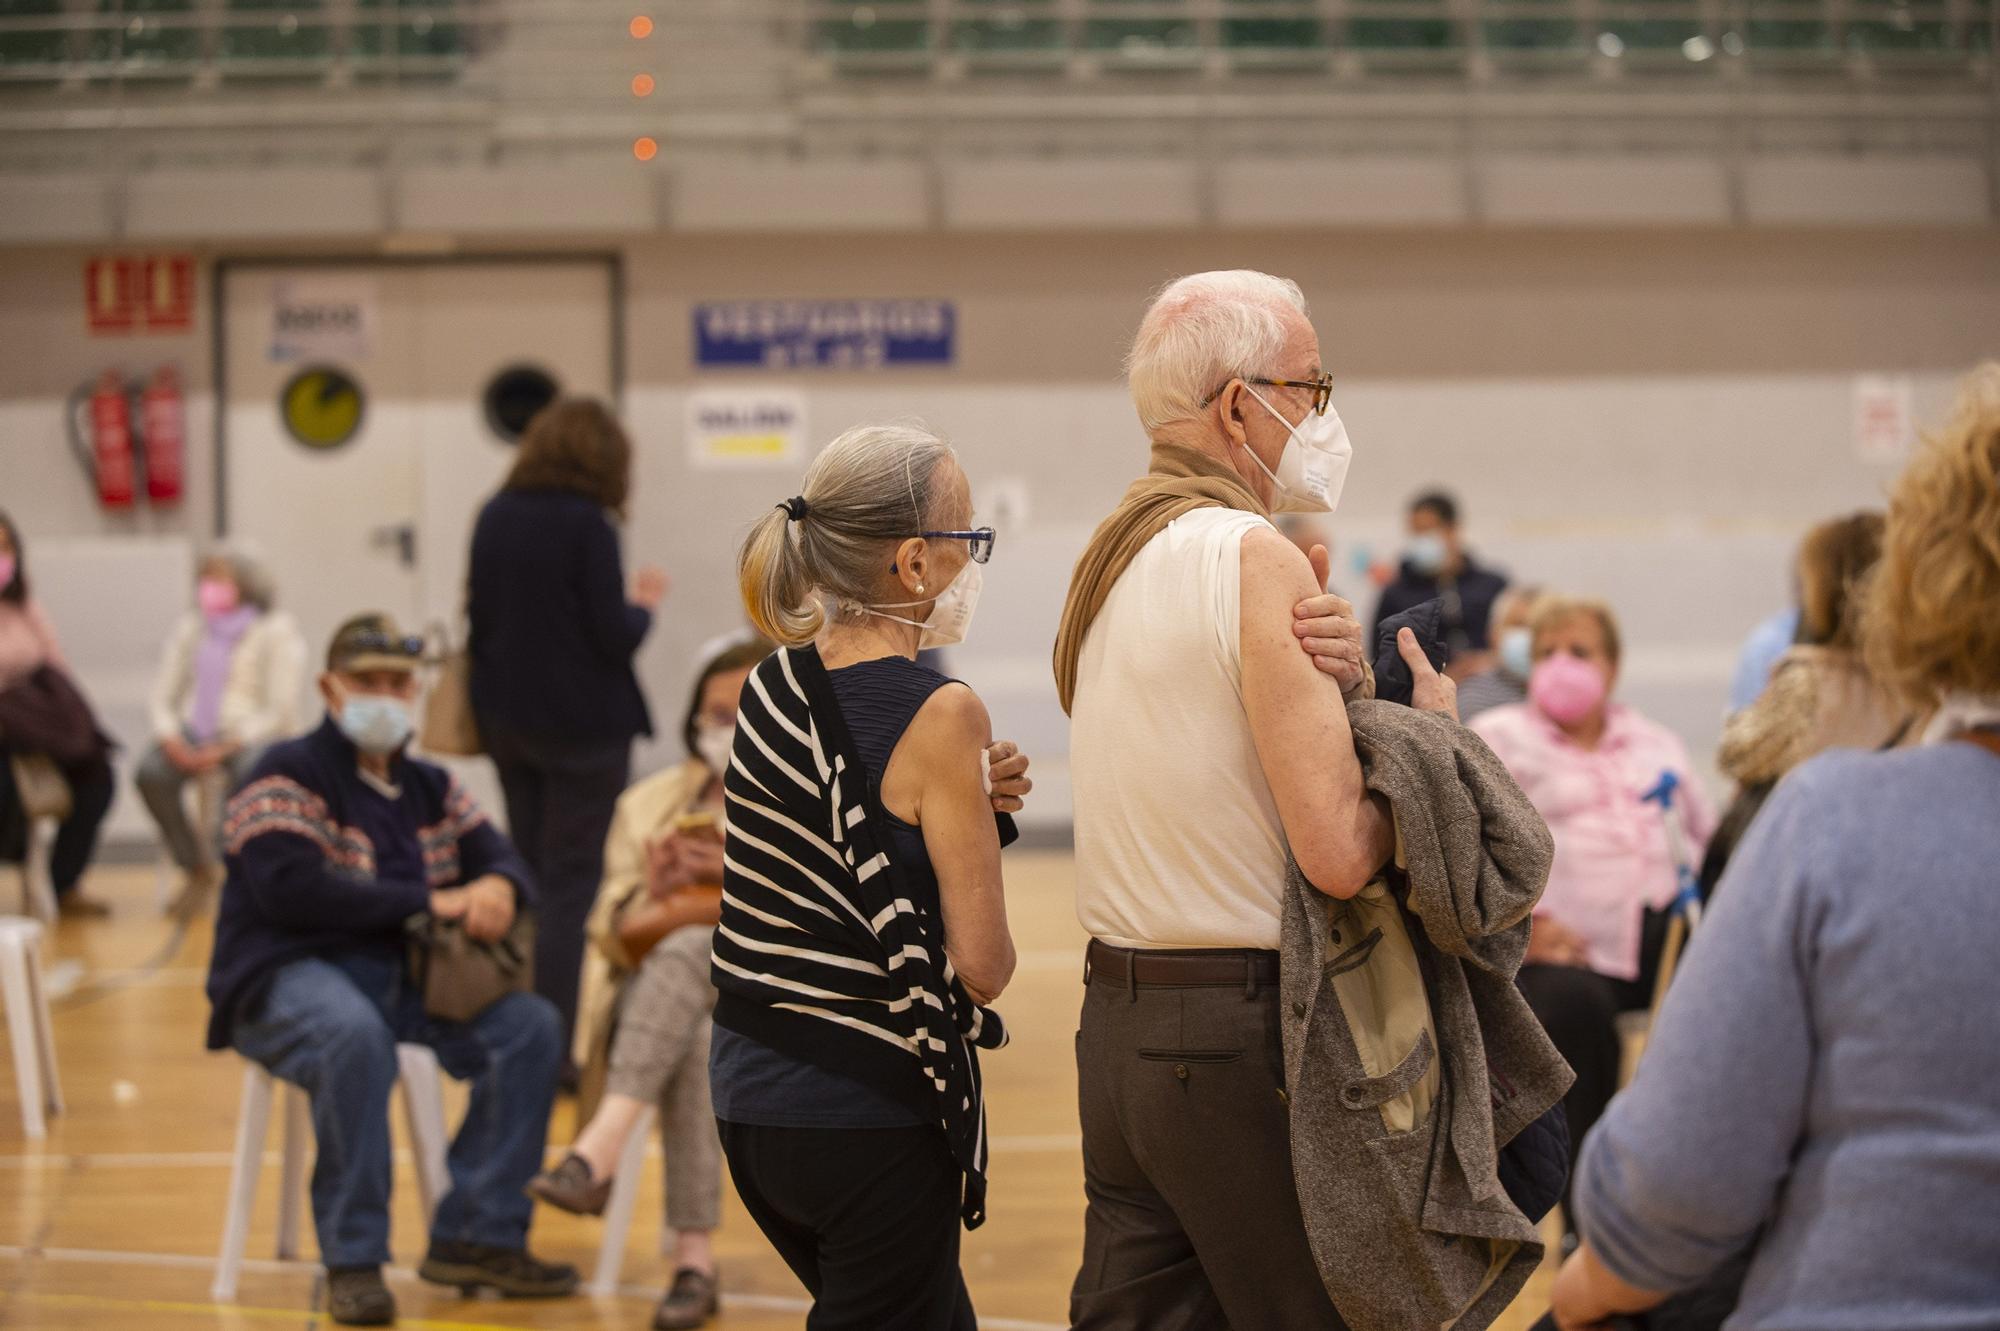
(1686,909)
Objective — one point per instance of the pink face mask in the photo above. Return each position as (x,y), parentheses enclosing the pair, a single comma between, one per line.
(216,596)
(1565,688)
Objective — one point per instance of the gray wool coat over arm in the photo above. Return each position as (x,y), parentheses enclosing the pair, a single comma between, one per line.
(1410,1057)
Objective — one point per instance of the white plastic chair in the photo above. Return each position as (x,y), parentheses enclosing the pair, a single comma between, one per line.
(28,1028)
(423,1108)
(618,1209)
(38,890)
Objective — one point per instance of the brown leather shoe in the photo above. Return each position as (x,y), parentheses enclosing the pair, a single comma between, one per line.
(570,1187)
(691,1301)
(356,1296)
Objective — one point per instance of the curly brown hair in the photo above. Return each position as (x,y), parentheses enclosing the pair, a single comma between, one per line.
(1931,625)
(575,445)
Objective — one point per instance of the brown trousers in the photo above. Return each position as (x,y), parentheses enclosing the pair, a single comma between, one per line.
(1193,1220)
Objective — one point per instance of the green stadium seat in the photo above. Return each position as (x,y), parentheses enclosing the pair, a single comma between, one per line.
(873,28)
(1796,28)
(291,37)
(1912,26)
(402,29)
(159,37)
(1268,33)
(1976,34)
(1534,28)
(1407,26)
(32,46)
(1650,26)
(1019,33)
(1138,40)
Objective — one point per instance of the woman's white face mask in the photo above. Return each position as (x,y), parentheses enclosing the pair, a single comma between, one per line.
(714,744)
(1313,467)
(950,618)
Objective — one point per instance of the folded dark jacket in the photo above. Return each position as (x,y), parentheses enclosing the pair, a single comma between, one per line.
(47,713)
(1392,675)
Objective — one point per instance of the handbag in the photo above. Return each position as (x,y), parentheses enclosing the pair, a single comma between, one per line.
(460,976)
(449,726)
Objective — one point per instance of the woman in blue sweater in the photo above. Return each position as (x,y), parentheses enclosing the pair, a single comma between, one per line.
(1822,1089)
(554,628)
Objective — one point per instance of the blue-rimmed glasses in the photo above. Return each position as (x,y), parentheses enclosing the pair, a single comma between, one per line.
(979,541)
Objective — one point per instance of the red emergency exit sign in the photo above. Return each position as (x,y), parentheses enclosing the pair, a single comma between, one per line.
(149,293)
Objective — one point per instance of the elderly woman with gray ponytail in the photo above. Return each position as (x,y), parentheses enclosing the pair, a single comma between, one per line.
(864,928)
(230,683)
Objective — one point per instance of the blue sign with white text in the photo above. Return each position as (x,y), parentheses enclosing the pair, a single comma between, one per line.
(824,334)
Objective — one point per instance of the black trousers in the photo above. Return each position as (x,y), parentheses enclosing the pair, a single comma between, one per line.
(867,1218)
(560,799)
(91,788)
(1579,1009)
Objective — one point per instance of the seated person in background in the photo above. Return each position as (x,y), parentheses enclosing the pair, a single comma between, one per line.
(1437,564)
(28,649)
(338,838)
(1821,695)
(1822,1087)
(1506,679)
(230,682)
(1585,761)
(642,1033)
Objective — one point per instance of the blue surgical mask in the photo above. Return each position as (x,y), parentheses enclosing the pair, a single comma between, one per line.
(376,724)
(1517,652)
(1427,552)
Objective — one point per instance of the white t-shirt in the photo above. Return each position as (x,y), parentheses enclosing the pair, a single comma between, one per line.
(1178,840)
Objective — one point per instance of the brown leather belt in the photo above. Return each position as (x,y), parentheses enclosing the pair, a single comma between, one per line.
(1180,968)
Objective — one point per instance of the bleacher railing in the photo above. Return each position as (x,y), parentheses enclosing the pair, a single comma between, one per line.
(459,76)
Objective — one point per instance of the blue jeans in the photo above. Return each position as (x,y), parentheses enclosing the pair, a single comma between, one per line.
(331,1026)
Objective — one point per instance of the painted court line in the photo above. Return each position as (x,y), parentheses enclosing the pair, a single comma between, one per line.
(1018,1143)
(191,1262)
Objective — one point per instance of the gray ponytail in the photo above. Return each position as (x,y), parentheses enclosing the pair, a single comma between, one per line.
(874,485)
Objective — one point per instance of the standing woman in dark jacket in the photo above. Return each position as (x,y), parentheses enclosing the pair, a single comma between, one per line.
(553,632)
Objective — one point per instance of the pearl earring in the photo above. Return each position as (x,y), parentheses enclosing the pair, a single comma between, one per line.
(920,589)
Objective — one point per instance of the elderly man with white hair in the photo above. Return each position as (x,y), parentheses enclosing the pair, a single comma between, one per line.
(1207,747)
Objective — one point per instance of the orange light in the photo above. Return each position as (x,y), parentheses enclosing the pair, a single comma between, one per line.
(642,27)
(642,85)
(645,149)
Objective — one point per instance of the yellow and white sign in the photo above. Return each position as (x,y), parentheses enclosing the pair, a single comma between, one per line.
(745,427)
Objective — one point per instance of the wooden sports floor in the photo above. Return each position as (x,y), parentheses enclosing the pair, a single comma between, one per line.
(114,1220)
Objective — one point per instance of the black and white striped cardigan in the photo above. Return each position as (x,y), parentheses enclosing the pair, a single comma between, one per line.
(821,952)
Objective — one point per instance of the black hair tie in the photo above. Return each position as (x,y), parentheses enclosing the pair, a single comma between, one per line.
(795,508)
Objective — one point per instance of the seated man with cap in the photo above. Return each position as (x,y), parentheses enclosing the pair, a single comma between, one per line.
(337,838)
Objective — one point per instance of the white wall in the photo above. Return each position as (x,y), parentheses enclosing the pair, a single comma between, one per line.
(1650,416)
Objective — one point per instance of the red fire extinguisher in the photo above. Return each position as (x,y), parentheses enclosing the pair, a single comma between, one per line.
(163,428)
(110,452)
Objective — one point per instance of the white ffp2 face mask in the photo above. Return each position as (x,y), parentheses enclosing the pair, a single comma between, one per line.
(1313,467)
(713,744)
(951,613)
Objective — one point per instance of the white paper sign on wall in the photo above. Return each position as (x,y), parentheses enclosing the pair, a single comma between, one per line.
(1884,417)
(745,427)
(323,318)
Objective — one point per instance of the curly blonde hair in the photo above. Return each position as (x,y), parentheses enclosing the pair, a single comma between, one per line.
(1931,625)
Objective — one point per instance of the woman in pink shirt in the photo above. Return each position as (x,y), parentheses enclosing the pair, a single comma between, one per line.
(1586,761)
(27,644)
